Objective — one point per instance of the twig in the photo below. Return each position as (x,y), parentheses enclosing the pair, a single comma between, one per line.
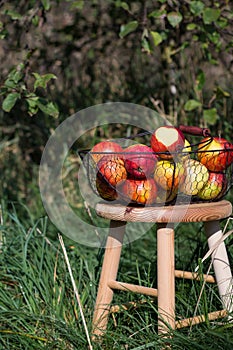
(75,290)
(161,110)
(91,218)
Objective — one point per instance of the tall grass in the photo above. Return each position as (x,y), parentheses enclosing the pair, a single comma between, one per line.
(38,308)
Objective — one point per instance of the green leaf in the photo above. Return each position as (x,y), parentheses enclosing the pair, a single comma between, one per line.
(196,7)
(32,101)
(79,4)
(210,15)
(174,18)
(35,21)
(157,38)
(222,22)
(13,14)
(14,77)
(200,80)
(48,108)
(9,101)
(128,28)
(220,93)
(10,84)
(210,116)
(190,105)
(3,33)
(157,13)
(191,26)
(146,45)
(42,80)
(215,38)
(46,4)
(122,4)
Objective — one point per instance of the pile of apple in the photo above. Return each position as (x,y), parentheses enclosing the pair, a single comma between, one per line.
(155,174)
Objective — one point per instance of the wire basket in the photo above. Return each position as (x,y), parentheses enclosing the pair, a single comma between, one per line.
(195,173)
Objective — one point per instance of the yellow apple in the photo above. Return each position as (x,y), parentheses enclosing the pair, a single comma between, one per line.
(196,176)
(169,174)
(186,150)
(165,196)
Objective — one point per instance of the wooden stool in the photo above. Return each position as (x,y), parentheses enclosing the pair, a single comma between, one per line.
(165,217)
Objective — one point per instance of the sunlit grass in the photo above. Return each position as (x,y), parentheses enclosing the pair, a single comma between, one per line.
(38,309)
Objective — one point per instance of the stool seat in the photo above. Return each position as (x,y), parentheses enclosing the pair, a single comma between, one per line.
(195,212)
(164,216)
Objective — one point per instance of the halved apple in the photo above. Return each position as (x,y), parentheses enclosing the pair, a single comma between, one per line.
(166,141)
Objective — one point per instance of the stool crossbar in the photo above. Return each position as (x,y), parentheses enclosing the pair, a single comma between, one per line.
(164,217)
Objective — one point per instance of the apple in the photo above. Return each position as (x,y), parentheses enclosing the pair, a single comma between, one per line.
(105,190)
(103,148)
(142,191)
(215,153)
(140,161)
(196,176)
(167,139)
(165,196)
(215,186)
(186,150)
(169,175)
(112,171)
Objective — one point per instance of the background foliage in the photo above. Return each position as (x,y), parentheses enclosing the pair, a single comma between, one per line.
(58,57)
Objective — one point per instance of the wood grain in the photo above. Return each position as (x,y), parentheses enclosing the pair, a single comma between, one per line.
(191,321)
(108,273)
(133,288)
(166,278)
(196,212)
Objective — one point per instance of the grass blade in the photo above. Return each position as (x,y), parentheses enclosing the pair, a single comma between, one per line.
(75,290)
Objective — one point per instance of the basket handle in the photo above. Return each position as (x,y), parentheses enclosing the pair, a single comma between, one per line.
(195,130)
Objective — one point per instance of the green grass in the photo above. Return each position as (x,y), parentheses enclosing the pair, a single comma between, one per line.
(38,309)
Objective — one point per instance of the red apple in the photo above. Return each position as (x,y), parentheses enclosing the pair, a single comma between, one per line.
(215,153)
(142,191)
(110,148)
(140,161)
(167,139)
(215,187)
(111,170)
(105,190)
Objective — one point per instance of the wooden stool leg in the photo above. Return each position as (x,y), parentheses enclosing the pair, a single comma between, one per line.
(166,278)
(108,273)
(221,264)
